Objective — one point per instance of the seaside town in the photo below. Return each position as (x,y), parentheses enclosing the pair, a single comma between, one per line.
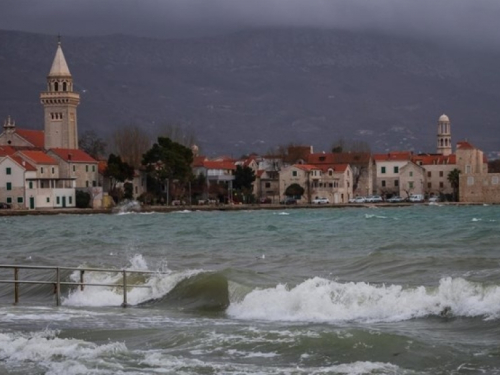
(50,169)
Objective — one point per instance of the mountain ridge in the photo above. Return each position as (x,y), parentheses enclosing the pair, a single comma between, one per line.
(256,89)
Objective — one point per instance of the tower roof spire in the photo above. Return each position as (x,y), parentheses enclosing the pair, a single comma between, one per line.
(59,66)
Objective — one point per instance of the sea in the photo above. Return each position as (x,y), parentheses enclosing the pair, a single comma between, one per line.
(387,290)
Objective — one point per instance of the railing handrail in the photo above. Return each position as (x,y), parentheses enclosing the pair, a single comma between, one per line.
(57,283)
(79,269)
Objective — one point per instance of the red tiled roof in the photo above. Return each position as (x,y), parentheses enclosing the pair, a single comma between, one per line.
(73,155)
(198,161)
(464,145)
(430,159)
(26,165)
(260,172)
(37,157)
(212,164)
(101,167)
(35,137)
(393,156)
(306,167)
(339,158)
(7,150)
(335,167)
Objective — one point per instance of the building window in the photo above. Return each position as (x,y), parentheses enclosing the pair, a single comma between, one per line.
(441,185)
(382,170)
(87,183)
(494,180)
(467,169)
(470,180)
(294,173)
(57,200)
(411,173)
(268,185)
(48,199)
(20,199)
(441,173)
(86,168)
(429,174)
(396,169)
(53,170)
(9,200)
(383,183)
(396,183)
(93,168)
(70,200)
(8,170)
(74,168)
(41,170)
(429,185)
(410,184)
(30,185)
(9,185)
(94,184)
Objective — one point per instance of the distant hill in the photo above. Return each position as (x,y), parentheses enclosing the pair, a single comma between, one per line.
(256,89)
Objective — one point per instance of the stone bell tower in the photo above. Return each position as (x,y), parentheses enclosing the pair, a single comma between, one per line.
(59,104)
(444,136)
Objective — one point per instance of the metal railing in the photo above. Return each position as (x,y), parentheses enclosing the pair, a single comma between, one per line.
(57,282)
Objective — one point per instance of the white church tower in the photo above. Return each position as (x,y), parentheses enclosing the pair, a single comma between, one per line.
(59,104)
(444,136)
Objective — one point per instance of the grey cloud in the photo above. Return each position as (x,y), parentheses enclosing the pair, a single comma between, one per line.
(456,20)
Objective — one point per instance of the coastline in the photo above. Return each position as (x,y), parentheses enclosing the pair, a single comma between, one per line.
(239,207)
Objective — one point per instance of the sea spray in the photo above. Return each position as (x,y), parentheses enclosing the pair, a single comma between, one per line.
(321,300)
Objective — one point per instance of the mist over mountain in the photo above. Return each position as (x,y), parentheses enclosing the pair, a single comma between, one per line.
(256,89)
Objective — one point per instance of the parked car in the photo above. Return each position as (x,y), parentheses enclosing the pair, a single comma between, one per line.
(415,198)
(395,199)
(359,200)
(434,199)
(319,200)
(265,200)
(289,200)
(4,205)
(374,199)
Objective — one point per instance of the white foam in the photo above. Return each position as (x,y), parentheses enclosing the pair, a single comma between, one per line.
(56,355)
(324,300)
(157,285)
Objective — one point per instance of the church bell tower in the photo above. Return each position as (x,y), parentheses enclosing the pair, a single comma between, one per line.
(444,136)
(59,104)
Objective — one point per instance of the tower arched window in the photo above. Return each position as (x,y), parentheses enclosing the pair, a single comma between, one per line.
(65,85)
(56,86)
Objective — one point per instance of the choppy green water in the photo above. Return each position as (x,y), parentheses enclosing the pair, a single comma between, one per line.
(411,290)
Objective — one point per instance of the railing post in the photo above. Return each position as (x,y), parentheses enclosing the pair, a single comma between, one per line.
(16,286)
(81,279)
(58,287)
(124,304)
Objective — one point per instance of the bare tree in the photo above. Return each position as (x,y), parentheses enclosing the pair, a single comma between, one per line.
(92,144)
(131,142)
(178,133)
(350,145)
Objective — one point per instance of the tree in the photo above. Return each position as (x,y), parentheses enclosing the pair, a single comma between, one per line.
(92,144)
(494,166)
(350,145)
(178,133)
(82,199)
(117,171)
(454,179)
(244,178)
(294,190)
(168,161)
(131,142)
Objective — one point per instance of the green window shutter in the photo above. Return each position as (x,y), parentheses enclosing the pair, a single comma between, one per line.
(8,170)
(20,200)
(9,185)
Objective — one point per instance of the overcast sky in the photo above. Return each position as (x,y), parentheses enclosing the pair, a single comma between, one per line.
(473,21)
